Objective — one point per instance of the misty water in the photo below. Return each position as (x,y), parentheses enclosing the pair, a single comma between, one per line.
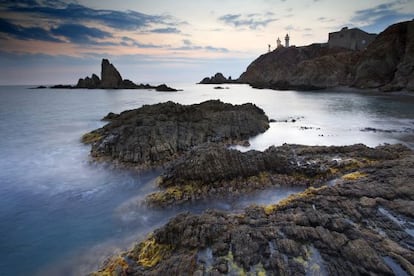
(61,214)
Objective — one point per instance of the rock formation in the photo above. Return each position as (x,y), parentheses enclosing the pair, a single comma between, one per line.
(387,64)
(213,171)
(218,78)
(111,79)
(155,134)
(361,226)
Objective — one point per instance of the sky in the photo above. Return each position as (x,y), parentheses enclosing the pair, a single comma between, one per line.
(156,41)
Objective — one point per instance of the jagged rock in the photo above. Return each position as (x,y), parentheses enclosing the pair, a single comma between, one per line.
(213,171)
(386,64)
(90,83)
(358,227)
(218,78)
(155,134)
(111,79)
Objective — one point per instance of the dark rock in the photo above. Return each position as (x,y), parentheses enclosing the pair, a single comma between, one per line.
(62,86)
(388,63)
(213,171)
(218,78)
(39,87)
(155,134)
(358,227)
(111,79)
(165,88)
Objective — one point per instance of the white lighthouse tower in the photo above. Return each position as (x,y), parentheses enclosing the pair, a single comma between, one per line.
(287,40)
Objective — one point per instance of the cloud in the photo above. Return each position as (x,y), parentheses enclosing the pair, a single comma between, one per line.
(168,30)
(80,34)
(59,10)
(127,41)
(252,20)
(376,19)
(189,46)
(26,33)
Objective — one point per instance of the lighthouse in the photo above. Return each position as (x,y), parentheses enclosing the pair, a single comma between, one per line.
(287,41)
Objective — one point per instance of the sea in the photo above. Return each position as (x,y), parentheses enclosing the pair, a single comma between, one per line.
(61,213)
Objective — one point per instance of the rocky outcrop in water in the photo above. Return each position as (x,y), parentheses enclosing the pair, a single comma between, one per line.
(361,226)
(111,79)
(155,134)
(213,171)
(387,64)
(218,78)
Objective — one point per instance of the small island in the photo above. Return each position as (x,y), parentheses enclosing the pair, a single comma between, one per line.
(110,79)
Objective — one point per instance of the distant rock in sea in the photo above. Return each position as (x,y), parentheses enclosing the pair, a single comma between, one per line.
(218,78)
(111,79)
(387,64)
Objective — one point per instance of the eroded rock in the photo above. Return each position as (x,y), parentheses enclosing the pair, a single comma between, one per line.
(358,227)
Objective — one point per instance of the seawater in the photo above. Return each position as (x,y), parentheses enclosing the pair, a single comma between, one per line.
(61,214)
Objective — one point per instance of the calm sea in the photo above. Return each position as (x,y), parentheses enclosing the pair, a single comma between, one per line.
(61,214)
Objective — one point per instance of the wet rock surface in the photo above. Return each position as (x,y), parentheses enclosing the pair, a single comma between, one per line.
(213,171)
(155,134)
(361,226)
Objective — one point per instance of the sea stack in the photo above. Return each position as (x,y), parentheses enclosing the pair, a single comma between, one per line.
(110,77)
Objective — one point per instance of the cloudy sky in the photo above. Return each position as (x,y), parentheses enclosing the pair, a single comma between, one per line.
(58,41)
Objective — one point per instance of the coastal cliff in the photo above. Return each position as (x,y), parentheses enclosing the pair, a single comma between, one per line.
(387,64)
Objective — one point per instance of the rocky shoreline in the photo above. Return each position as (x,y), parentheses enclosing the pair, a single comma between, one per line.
(355,217)
(214,171)
(363,225)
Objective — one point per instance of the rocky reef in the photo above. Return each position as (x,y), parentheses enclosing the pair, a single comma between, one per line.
(387,64)
(112,79)
(214,171)
(218,78)
(363,225)
(156,134)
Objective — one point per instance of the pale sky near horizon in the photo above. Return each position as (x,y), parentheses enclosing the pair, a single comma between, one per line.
(50,42)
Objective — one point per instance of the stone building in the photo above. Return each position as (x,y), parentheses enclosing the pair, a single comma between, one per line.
(354,39)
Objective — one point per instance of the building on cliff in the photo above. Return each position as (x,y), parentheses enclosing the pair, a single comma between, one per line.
(354,39)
